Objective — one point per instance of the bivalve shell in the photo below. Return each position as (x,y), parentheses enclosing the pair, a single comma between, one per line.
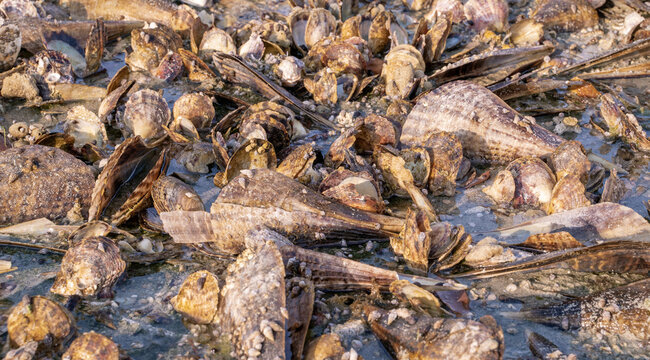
(36,319)
(10,42)
(488,14)
(196,107)
(92,345)
(198,297)
(145,114)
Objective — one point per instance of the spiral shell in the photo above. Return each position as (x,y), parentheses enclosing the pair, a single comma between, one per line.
(169,194)
(145,114)
(92,345)
(89,268)
(198,297)
(196,107)
(36,319)
(568,194)
(488,14)
(10,42)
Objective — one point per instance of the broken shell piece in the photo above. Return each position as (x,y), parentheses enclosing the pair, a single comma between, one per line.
(375,130)
(252,154)
(568,194)
(196,157)
(90,268)
(357,190)
(614,188)
(198,297)
(25,352)
(502,190)
(39,319)
(488,14)
(92,345)
(298,165)
(550,242)
(253,48)
(85,127)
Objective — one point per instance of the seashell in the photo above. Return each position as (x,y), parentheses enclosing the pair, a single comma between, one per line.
(565,15)
(170,67)
(453,9)
(270,31)
(94,50)
(145,114)
(622,124)
(39,319)
(289,71)
(19,85)
(92,345)
(351,27)
(345,57)
(85,127)
(418,161)
(614,188)
(19,130)
(51,67)
(298,165)
(375,130)
(454,337)
(198,297)
(25,352)
(276,121)
(169,194)
(570,158)
(379,32)
(253,48)
(526,32)
(534,182)
(252,154)
(298,22)
(568,194)
(421,300)
(488,14)
(150,45)
(323,87)
(326,346)
(502,190)
(197,69)
(216,40)
(341,148)
(417,5)
(10,43)
(196,107)
(300,307)
(358,190)
(41,182)
(90,268)
(404,65)
(550,242)
(196,157)
(129,174)
(488,252)
(431,43)
(320,24)
(489,130)
(18,9)
(446,153)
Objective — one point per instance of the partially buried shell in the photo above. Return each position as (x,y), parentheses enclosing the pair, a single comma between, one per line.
(10,42)
(169,194)
(92,345)
(404,65)
(145,114)
(276,122)
(198,297)
(89,268)
(196,107)
(38,319)
(488,14)
(40,182)
(489,130)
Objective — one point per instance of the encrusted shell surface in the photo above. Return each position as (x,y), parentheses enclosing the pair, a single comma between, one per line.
(89,268)
(289,71)
(488,14)
(85,126)
(51,67)
(169,194)
(275,120)
(145,114)
(357,190)
(40,182)
(198,297)
(37,318)
(16,9)
(150,46)
(404,64)
(446,154)
(92,345)
(10,42)
(570,158)
(196,107)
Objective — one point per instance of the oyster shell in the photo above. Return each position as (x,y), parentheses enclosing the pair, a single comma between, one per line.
(404,65)
(145,114)
(526,32)
(85,127)
(150,45)
(39,319)
(446,153)
(216,40)
(92,345)
(89,268)
(570,158)
(196,107)
(488,14)
(622,124)
(502,189)
(289,71)
(568,194)
(357,190)
(40,182)
(489,130)
(534,182)
(198,297)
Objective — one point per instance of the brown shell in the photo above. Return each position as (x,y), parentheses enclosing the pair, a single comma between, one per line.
(37,318)
(196,107)
(252,154)
(420,299)
(614,188)
(90,268)
(357,190)
(502,190)
(379,32)
(565,15)
(418,161)
(19,85)
(169,194)
(92,345)
(341,147)
(300,304)
(326,346)
(622,124)
(404,65)
(42,181)
(170,66)
(551,242)
(534,182)
(25,352)
(320,24)
(150,46)
(570,158)
(375,130)
(568,194)
(51,67)
(297,164)
(488,14)
(198,297)
(446,154)
(489,130)
(145,114)
(275,120)
(17,9)
(344,57)
(94,50)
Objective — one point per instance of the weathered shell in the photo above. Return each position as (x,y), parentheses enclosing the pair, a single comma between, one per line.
(418,161)
(85,127)
(25,352)
(420,299)
(10,42)
(51,67)
(20,85)
(218,40)
(298,164)
(488,14)
(16,9)
(89,268)
(534,182)
(357,190)
(300,305)
(254,301)
(198,297)
(414,241)
(342,56)
(40,182)
(323,87)
(289,71)
(570,158)
(489,130)
(411,337)
(196,107)
(446,153)
(253,48)
(169,194)
(379,33)
(94,50)
(431,43)
(375,130)
(614,188)
(150,46)
(326,346)
(320,24)
(550,242)
(36,319)
(273,32)
(502,190)
(275,120)
(145,114)
(565,15)
(170,66)
(197,157)
(454,9)
(92,345)
(568,194)
(526,32)
(404,64)
(623,124)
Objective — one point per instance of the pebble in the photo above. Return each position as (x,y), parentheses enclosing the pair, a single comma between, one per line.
(511,288)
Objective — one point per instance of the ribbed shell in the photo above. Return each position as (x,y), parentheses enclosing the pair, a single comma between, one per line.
(40,181)
(488,14)
(92,345)
(145,113)
(489,130)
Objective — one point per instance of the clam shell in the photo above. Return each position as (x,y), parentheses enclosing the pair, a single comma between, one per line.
(92,345)
(404,64)
(89,268)
(489,130)
(40,182)
(488,14)
(37,318)
(320,24)
(198,297)
(145,114)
